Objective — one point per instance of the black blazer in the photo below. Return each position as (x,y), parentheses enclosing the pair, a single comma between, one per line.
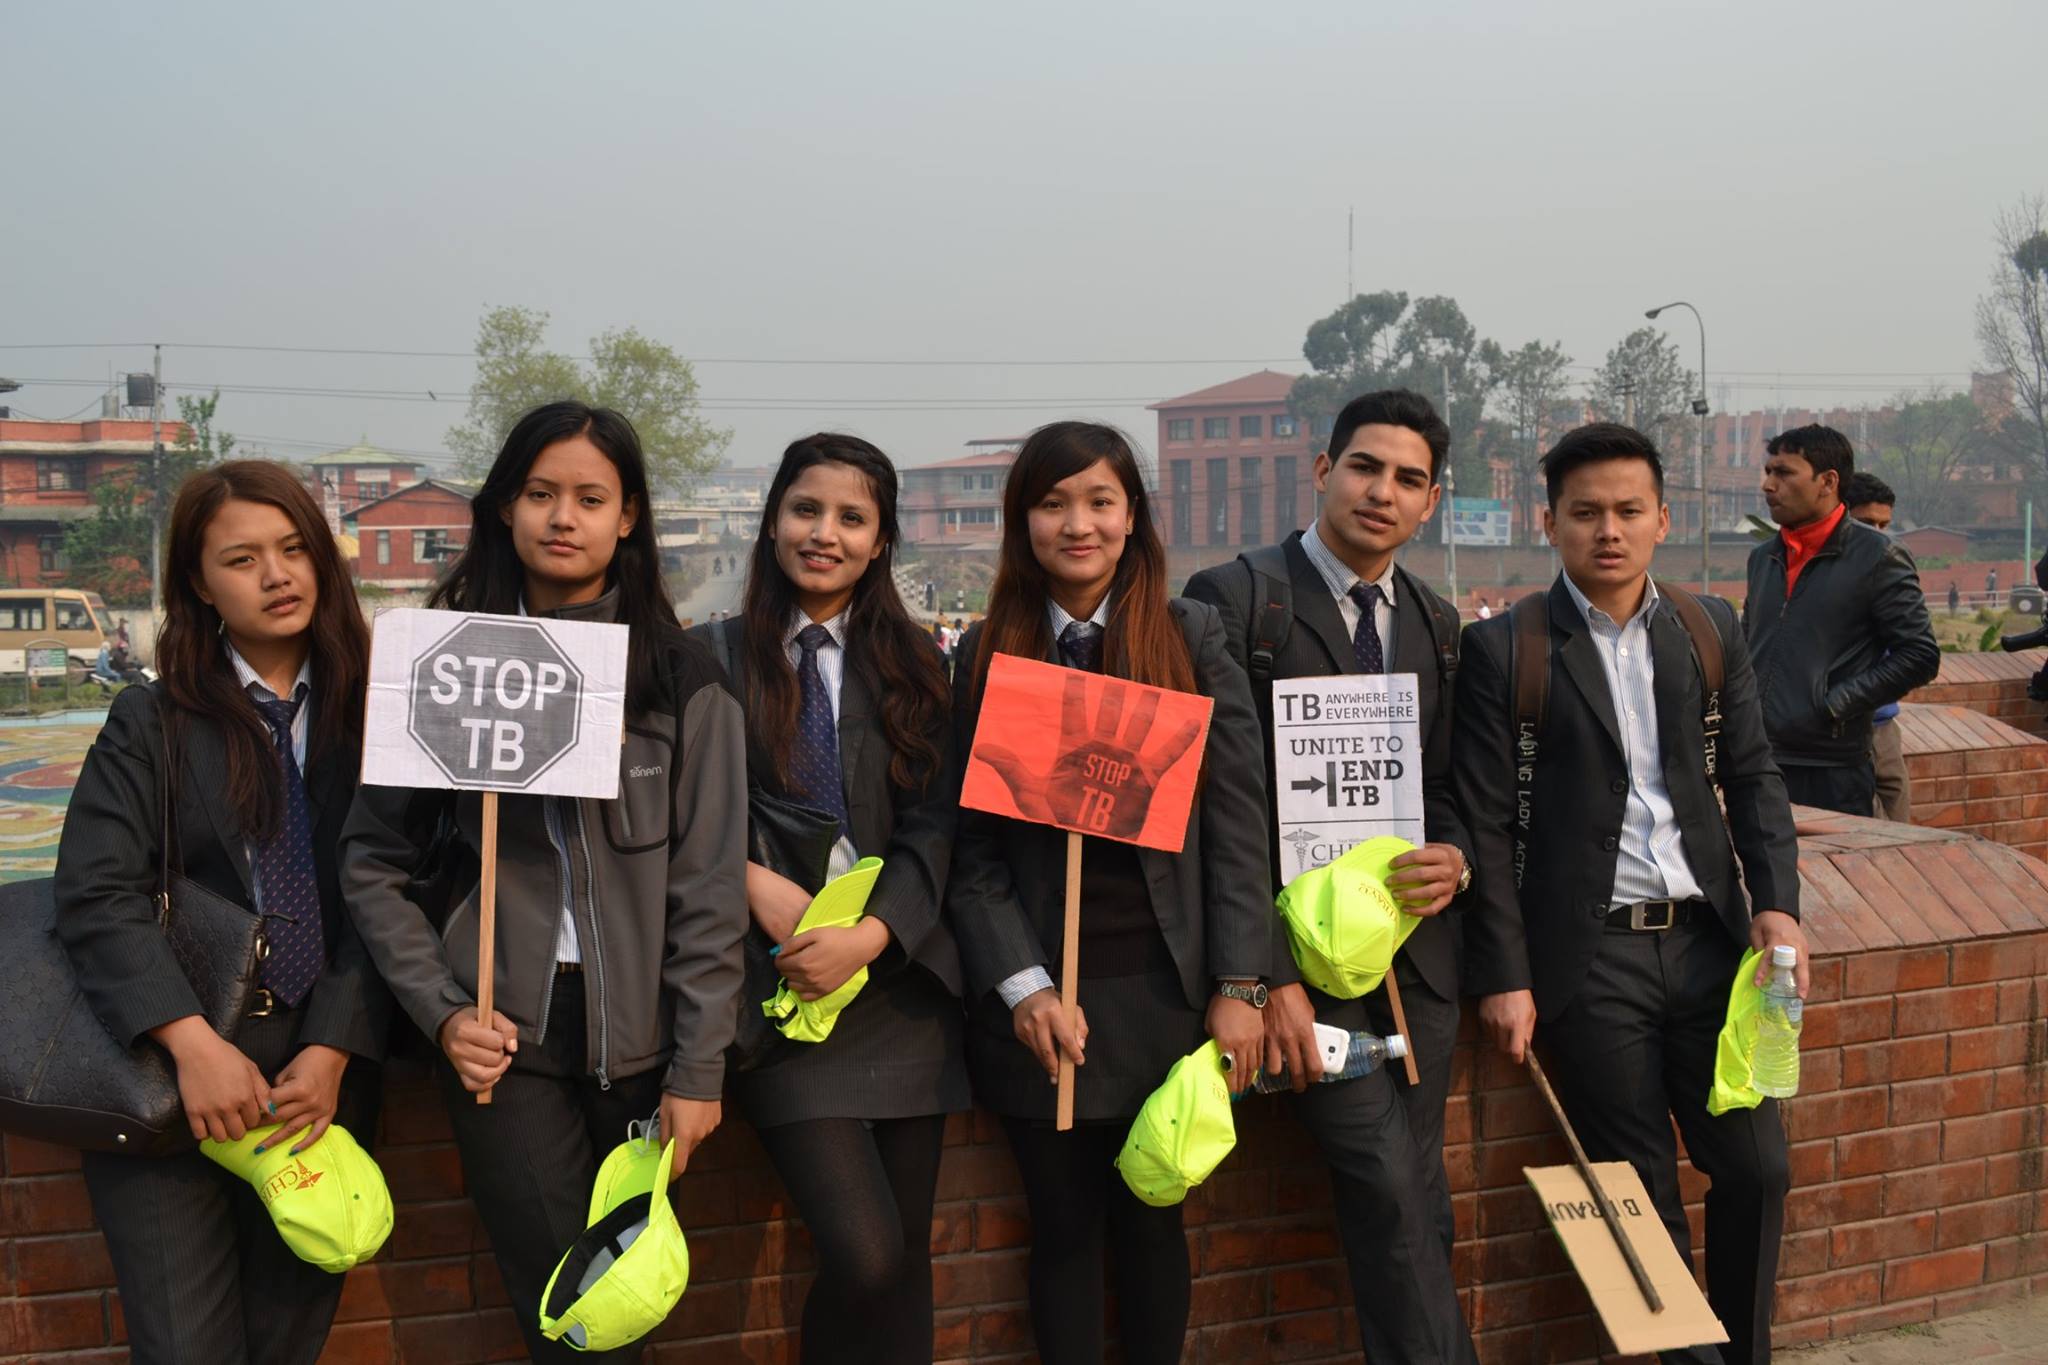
(1318,646)
(1007,895)
(107,868)
(1543,939)
(909,828)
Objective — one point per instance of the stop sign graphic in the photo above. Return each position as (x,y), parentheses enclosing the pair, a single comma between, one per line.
(495,703)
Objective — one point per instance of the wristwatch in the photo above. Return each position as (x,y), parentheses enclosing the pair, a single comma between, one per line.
(1464,873)
(1253,995)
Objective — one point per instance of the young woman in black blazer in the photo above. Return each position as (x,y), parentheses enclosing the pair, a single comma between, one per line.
(1173,945)
(846,704)
(259,706)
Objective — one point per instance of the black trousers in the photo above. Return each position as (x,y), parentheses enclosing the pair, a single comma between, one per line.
(1076,1196)
(1432,1034)
(865,1192)
(1635,1050)
(530,1157)
(1849,789)
(202,1271)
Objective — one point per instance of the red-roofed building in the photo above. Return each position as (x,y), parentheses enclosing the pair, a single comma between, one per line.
(405,539)
(47,473)
(957,502)
(1235,467)
(344,480)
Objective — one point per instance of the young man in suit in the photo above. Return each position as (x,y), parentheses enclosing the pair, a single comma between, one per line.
(1608,914)
(1351,609)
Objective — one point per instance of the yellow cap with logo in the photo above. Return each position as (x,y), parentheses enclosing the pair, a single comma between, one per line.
(627,1271)
(1182,1132)
(329,1202)
(1343,924)
(842,902)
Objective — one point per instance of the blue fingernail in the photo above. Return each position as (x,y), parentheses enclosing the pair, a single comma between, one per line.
(259,1149)
(775,950)
(273,1106)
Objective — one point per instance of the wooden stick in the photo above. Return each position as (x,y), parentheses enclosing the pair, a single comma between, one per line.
(1070,976)
(1608,1211)
(487,921)
(1401,1024)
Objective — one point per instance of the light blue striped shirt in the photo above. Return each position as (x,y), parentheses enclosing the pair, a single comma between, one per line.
(1651,865)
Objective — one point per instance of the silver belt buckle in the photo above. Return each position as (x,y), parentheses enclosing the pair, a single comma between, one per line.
(262,1004)
(1639,916)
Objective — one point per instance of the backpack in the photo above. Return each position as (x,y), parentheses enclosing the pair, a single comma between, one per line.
(1273,591)
(1531,663)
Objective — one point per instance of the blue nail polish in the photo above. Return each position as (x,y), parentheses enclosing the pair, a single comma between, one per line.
(259,1149)
(775,950)
(273,1106)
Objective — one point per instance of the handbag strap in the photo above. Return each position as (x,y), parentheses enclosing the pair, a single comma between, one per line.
(166,824)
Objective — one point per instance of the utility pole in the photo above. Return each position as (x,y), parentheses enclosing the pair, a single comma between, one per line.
(1350,254)
(1450,497)
(156,492)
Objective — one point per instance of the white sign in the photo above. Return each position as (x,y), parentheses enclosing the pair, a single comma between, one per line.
(1477,521)
(1347,765)
(495,703)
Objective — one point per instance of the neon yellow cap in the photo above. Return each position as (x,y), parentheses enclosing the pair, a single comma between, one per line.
(627,1271)
(1735,1051)
(1343,924)
(329,1202)
(842,902)
(1183,1131)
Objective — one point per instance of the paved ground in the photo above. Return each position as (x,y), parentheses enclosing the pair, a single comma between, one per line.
(2012,1333)
(38,765)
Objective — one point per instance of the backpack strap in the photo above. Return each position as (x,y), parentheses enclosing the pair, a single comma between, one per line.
(1707,652)
(1531,662)
(1443,633)
(1273,610)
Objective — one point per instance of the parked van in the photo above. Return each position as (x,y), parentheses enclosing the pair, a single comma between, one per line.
(46,618)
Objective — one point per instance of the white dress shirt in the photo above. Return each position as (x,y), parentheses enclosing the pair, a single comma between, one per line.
(1651,865)
(1341,579)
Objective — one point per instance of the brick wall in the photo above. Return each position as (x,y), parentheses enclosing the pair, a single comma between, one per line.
(1993,684)
(1976,775)
(1918,1166)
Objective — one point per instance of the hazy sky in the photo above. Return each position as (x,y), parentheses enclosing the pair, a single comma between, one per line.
(950,182)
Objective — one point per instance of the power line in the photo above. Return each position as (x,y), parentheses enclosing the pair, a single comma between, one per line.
(694,360)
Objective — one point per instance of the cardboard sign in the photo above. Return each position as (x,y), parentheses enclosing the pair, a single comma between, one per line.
(1090,754)
(1347,765)
(1686,1319)
(495,703)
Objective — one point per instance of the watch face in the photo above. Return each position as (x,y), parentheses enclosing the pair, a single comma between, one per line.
(1259,995)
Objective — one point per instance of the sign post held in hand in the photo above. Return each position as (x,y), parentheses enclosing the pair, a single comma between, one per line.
(1089,755)
(494,704)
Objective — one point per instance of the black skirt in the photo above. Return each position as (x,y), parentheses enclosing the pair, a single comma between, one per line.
(897,1052)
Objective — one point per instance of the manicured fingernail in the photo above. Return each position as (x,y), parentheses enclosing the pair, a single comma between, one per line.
(273,1106)
(259,1149)
(775,951)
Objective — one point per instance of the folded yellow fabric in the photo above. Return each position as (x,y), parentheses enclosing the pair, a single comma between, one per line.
(842,902)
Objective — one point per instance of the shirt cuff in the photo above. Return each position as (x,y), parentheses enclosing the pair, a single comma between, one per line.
(1020,986)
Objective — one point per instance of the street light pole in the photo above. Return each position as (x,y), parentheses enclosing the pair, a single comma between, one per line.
(156,489)
(1451,497)
(1699,407)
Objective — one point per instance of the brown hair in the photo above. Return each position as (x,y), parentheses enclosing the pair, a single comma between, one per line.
(195,669)
(1143,642)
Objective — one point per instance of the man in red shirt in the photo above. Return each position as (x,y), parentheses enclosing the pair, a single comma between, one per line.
(1836,622)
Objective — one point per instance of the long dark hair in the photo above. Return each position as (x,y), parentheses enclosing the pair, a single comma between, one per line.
(487,575)
(1142,643)
(195,669)
(880,635)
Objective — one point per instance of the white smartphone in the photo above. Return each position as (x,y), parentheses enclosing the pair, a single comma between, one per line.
(1335,1044)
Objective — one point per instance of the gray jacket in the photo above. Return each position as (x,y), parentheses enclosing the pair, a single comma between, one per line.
(654,878)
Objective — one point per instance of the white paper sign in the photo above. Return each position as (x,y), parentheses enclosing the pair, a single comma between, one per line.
(1347,765)
(495,703)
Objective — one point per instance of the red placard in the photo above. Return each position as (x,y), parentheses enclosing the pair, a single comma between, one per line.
(1089,754)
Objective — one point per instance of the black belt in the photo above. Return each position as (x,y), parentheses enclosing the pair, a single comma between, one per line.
(1654,916)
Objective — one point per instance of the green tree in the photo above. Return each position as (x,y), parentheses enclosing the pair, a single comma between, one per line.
(1642,382)
(108,552)
(1534,404)
(1921,446)
(643,378)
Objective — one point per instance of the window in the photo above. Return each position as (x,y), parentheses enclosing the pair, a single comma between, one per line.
(61,474)
(1285,428)
(429,547)
(1180,429)
(967,483)
(1215,428)
(1219,493)
(988,481)
(1250,428)
(370,492)
(73,615)
(1284,488)
(19,615)
(383,547)
(1251,495)
(50,554)
(1183,502)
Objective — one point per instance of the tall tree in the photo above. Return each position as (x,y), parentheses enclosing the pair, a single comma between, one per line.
(2012,324)
(1643,382)
(643,378)
(1922,444)
(108,552)
(1534,403)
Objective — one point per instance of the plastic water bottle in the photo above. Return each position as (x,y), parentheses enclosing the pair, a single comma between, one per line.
(1775,1068)
(1368,1053)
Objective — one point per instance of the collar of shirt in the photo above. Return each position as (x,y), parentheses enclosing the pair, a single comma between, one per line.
(1057,614)
(1803,542)
(1596,617)
(836,628)
(1337,574)
(252,682)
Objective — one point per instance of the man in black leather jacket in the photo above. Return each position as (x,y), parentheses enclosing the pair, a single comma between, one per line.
(1836,621)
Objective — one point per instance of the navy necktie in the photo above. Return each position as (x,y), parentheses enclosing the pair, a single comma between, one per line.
(1081,646)
(814,758)
(285,881)
(1365,641)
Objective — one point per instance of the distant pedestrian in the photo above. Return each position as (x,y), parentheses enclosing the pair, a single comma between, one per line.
(1836,621)
(1991,584)
(1955,597)
(1485,611)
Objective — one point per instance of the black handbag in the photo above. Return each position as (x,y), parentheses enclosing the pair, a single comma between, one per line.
(795,841)
(64,1079)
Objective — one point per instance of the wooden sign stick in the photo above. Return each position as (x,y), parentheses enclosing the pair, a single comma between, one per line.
(1070,976)
(487,921)
(1600,1199)
(1401,1024)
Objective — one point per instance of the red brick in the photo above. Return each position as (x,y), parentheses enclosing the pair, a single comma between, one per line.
(358,1343)
(2019,1002)
(24,1156)
(47,1265)
(1813,1163)
(1835,1292)
(1931,1274)
(1999,959)
(1895,1060)
(1228,1298)
(1975,1224)
(1984,1048)
(1944,1011)
(1846,1201)
(460,1338)
(1984,1134)
(1297,1288)
(1887,1149)
(1803,1253)
(1886,1318)
(1889,973)
(60,1322)
(1976,1300)
(1846,1111)
(46,1203)
(1849,1021)
(1957,1183)
(1882,1240)
(1944,1097)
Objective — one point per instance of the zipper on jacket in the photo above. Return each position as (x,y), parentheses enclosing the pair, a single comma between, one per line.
(594,959)
(551,818)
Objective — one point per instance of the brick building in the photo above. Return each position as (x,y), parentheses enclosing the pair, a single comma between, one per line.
(47,473)
(1234,466)
(957,502)
(361,474)
(404,538)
